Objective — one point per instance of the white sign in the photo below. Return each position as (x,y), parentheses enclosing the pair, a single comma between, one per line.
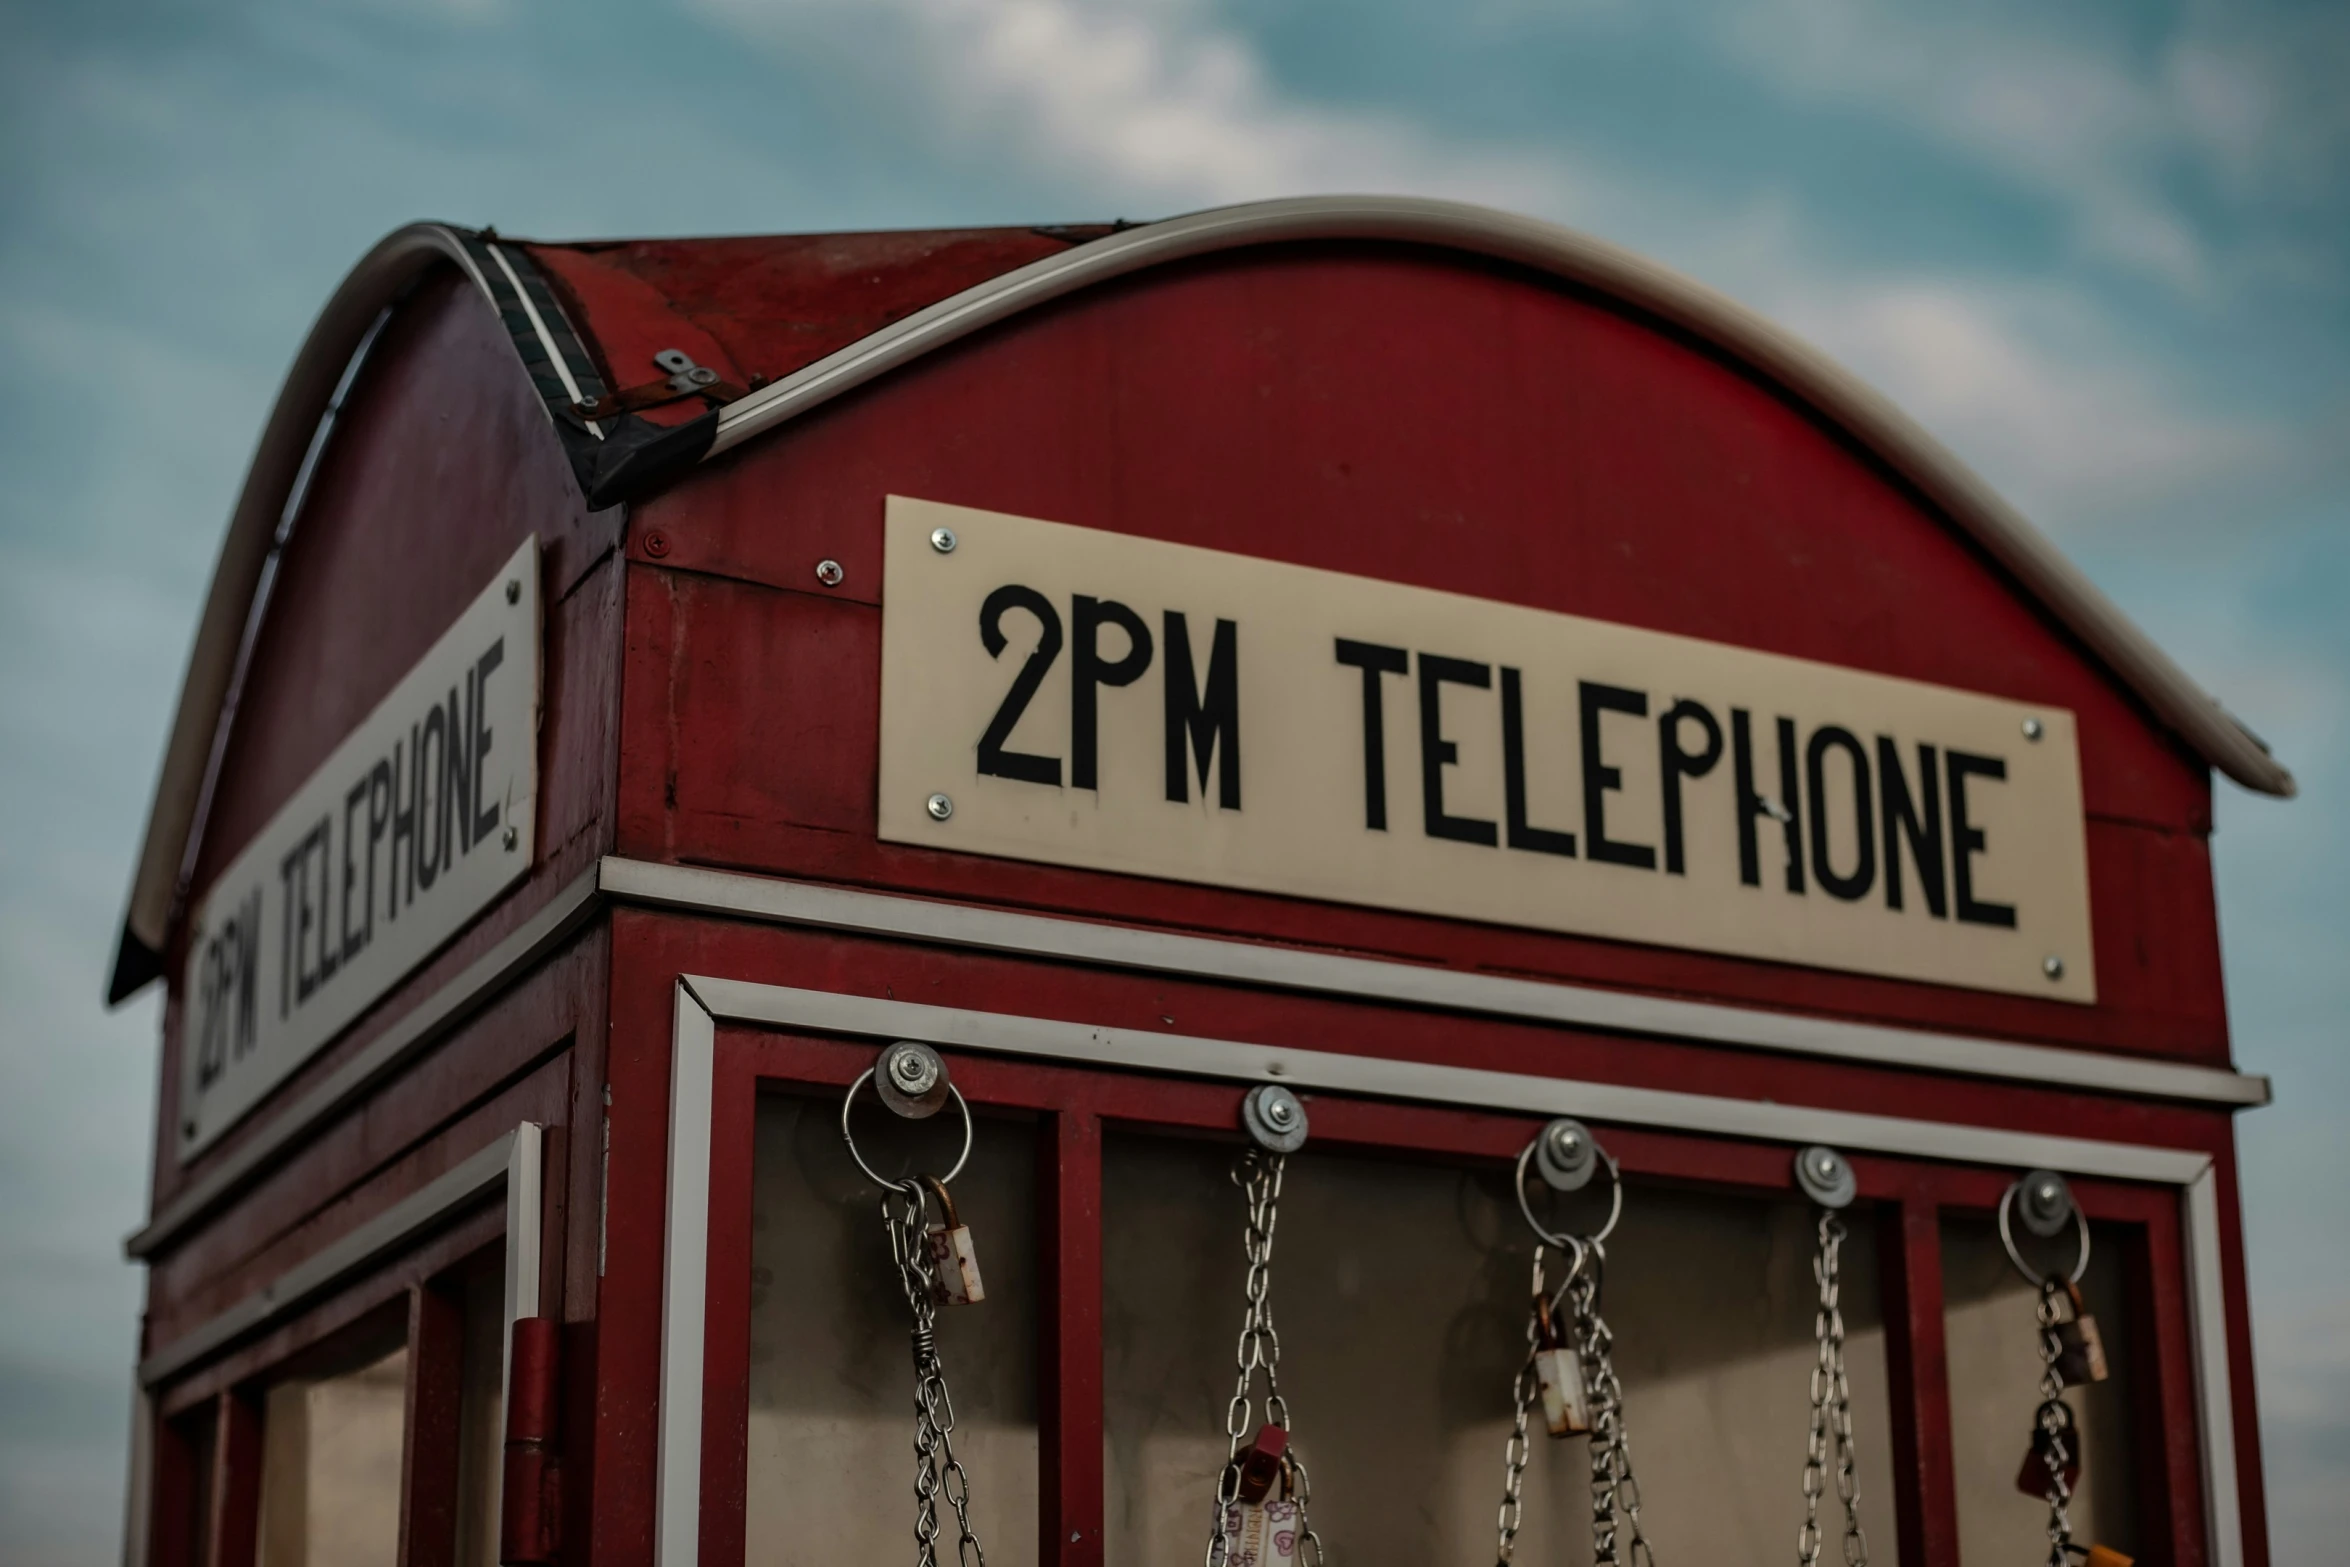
(1123,704)
(416,823)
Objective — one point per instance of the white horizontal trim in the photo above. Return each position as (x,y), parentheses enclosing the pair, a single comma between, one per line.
(705,1000)
(1421,985)
(427,1208)
(1422,1082)
(1578,258)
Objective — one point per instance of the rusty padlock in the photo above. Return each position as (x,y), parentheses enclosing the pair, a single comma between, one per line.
(1558,1374)
(2080,1348)
(2052,1424)
(954,1264)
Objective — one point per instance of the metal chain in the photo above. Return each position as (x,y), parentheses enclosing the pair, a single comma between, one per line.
(1258,1175)
(1831,1409)
(1525,1393)
(1614,1493)
(936,1469)
(2055,1425)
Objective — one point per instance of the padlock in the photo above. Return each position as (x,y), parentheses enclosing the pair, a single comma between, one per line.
(1260,1534)
(1566,1408)
(2080,1348)
(954,1264)
(1261,1464)
(2104,1556)
(2032,1477)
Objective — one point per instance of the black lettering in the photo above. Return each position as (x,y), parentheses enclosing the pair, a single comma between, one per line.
(1855,885)
(1967,841)
(1200,724)
(403,888)
(1374,661)
(1675,764)
(1089,672)
(457,837)
(433,774)
(322,836)
(1541,840)
(248,973)
(1790,803)
(354,936)
(305,976)
(1438,753)
(1750,801)
(994,760)
(1599,779)
(379,817)
(485,818)
(1918,819)
(285,939)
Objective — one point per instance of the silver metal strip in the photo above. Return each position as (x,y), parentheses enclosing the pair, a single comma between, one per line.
(430,1019)
(421,1210)
(773,1005)
(2215,1408)
(1713,317)
(525,1208)
(1419,985)
(685,1283)
(1239,1061)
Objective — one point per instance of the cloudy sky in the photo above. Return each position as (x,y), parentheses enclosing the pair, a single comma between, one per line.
(2100,249)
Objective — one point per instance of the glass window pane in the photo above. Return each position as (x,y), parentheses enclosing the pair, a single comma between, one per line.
(1400,1292)
(1994,1347)
(330,1466)
(831,1469)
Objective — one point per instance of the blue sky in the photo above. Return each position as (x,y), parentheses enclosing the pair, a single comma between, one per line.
(2099,249)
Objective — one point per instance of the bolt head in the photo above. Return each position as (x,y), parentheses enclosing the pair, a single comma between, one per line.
(940,807)
(2052,966)
(656,544)
(1825,1165)
(2033,729)
(943,540)
(1566,1142)
(1277,1112)
(511,838)
(513,590)
(912,1072)
(829,573)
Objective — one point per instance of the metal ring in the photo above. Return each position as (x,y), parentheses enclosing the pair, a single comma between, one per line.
(908,1185)
(1569,1242)
(2007,1239)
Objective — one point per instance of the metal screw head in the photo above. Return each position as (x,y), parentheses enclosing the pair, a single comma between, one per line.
(656,544)
(829,573)
(1273,1118)
(2047,1202)
(939,807)
(514,590)
(512,838)
(943,540)
(911,1080)
(1566,1155)
(1826,1178)
(2033,729)
(2052,966)
(702,375)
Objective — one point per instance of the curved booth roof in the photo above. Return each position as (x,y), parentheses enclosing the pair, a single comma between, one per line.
(754,332)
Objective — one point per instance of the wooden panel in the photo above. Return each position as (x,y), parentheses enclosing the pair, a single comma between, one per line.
(1372,411)
(429,1445)
(1917,1375)
(1069,1328)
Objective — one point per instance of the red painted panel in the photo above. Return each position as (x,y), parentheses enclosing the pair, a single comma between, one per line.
(1917,1382)
(1375,411)
(1069,1363)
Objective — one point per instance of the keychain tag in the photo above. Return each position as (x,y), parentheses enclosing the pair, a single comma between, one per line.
(2080,1347)
(1558,1374)
(954,1262)
(1260,1534)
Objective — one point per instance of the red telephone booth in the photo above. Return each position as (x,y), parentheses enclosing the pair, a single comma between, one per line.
(1493,738)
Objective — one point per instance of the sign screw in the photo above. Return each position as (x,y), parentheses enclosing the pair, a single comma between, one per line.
(2033,729)
(829,573)
(656,545)
(512,837)
(2052,966)
(939,807)
(943,540)
(513,590)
